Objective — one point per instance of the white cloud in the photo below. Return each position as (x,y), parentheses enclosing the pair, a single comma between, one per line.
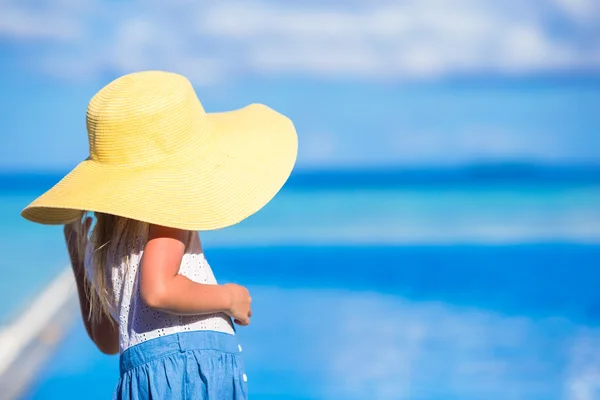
(374,39)
(581,10)
(26,24)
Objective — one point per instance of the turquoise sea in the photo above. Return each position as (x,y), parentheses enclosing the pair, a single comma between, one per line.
(427,287)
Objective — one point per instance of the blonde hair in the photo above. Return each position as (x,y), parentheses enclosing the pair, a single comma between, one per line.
(108,232)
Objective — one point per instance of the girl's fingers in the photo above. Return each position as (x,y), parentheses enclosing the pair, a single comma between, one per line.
(242,321)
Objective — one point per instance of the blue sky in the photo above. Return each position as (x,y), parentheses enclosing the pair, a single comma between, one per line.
(367,82)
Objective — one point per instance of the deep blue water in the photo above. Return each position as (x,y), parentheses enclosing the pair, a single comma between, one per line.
(350,216)
(392,322)
(542,279)
(516,173)
(473,283)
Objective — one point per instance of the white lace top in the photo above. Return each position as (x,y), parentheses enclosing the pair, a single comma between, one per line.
(137,321)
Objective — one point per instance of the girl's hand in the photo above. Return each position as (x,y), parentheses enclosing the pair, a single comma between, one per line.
(240,309)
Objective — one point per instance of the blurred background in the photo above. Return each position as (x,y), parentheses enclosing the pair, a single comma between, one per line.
(439,238)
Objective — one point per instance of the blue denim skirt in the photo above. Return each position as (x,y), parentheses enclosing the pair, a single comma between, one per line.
(187,365)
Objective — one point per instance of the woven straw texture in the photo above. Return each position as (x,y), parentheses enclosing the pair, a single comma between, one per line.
(156,156)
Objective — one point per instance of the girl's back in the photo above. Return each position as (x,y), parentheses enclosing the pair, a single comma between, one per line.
(138,322)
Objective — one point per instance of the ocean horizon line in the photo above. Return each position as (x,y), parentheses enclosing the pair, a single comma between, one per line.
(388,177)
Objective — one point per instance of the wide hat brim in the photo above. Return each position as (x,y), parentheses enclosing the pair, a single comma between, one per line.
(235,171)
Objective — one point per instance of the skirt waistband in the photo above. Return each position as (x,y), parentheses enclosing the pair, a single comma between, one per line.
(153,349)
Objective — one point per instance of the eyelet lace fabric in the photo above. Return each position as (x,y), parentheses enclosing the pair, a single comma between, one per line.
(138,322)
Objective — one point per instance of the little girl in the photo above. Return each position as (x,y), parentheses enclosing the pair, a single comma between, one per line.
(160,169)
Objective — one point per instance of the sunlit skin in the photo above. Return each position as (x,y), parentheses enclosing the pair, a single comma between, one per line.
(161,286)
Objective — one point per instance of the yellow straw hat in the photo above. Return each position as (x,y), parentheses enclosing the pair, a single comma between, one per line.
(156,156)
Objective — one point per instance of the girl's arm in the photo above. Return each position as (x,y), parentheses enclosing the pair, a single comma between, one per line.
(163,288)
(104,333)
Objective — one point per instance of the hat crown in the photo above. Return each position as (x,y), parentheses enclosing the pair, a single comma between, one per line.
(142,118)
